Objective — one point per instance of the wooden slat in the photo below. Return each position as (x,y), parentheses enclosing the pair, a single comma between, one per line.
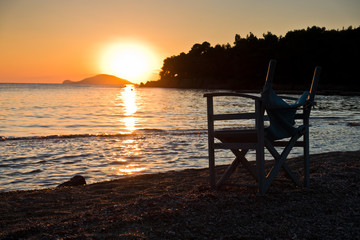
(239,136)
(284,143)
(234,116)
(235,145)
(238,132)
(231,94)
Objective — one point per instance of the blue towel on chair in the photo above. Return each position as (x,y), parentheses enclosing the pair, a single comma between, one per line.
(281,114)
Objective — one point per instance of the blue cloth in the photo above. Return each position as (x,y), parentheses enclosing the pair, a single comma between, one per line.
(281,114)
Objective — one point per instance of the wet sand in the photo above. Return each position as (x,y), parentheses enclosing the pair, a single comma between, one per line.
(180,205)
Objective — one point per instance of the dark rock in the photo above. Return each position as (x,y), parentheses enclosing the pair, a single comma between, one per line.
(74,181)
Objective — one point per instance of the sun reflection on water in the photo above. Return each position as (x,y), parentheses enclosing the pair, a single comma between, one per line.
(127,162)
(130,169)
(129,99)
(129,123)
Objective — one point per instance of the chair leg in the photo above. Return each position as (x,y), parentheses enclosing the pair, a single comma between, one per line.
(260,164)
(260,154)
(306,157)
(240,157)
(280,161)
(212,166)
(277,156)
(210,114)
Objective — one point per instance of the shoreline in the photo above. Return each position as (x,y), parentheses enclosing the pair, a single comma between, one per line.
(324,92)
(180,205)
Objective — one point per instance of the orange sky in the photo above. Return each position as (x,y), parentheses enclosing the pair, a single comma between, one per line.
(48,41)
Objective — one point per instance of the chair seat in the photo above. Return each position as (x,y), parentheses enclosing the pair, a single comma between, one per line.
(244,135)
(239,136)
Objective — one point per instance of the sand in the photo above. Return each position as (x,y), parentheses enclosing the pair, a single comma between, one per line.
(180,205)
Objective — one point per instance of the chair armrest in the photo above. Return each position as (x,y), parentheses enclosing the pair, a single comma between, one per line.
(214,117)
(224,94)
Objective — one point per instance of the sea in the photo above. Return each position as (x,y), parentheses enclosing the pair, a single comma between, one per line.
(51,132)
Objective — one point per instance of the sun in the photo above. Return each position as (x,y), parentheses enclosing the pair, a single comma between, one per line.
(132,61)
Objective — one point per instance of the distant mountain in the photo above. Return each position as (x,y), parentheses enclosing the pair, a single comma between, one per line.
(100,79)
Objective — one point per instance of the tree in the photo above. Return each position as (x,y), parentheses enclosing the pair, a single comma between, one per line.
(243,66)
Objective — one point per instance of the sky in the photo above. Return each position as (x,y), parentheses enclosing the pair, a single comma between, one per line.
(49,41)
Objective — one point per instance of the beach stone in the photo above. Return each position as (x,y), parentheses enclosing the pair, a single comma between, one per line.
(74,181)
(354,124)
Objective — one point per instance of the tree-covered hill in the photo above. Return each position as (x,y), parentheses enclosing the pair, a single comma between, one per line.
(243,65)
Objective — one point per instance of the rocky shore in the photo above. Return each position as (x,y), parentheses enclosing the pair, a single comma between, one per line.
(180,205)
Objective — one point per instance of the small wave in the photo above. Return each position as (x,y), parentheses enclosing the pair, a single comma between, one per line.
(67,136)
(189,132)
(23,159)
(13,174)
(33,172)
(40,162)
(328,118)
(46,137)
(76,126)
(138,132)
(151,130)
(109,135)
(16,159)
(72,162)
(174,160)
(68,157)
(118,163)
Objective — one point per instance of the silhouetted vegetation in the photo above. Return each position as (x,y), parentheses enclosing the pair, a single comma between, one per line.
(243,65)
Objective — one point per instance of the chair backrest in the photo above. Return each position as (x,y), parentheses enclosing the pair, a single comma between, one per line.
(270,75)
(314,84)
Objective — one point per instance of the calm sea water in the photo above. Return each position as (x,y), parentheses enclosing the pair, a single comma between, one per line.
(51,132)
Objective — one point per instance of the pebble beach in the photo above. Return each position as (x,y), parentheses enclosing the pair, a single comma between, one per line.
(181,205)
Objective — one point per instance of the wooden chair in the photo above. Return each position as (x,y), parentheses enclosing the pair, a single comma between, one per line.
(280,133)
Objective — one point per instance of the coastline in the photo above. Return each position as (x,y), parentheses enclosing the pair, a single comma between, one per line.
(325,92)
(180,205)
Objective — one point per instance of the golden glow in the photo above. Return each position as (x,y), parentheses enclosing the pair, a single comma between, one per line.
(132,151)
(129,123)
(130,169)
(134,62)
(129,98)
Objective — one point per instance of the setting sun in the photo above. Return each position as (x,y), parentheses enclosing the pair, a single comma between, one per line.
(131,61)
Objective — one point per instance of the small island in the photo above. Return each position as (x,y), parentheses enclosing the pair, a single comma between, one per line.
(103,79)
